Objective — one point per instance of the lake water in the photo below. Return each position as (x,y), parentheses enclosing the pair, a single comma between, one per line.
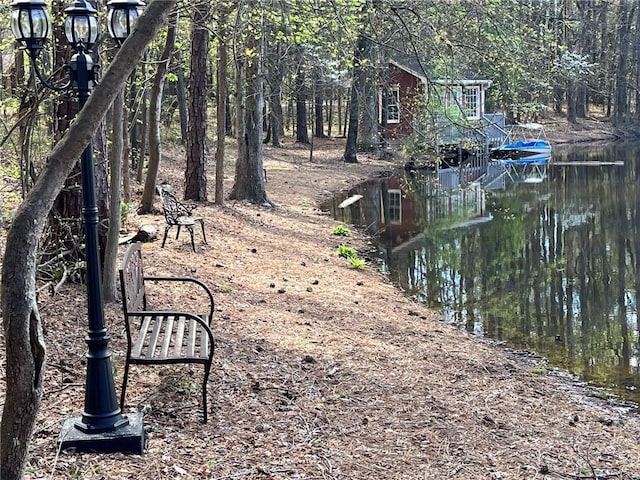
(547,263)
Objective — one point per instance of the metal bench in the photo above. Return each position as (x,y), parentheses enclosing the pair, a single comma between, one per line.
(156,337)
(178,214)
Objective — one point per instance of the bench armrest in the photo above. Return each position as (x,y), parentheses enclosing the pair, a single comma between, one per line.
(190,280)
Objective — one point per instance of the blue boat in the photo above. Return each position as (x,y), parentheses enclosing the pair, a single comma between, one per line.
(524,142)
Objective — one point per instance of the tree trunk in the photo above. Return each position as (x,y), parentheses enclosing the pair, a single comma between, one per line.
(275,75)
(144,126)
(302,133)
(339,109)
(25,352)
(319,104)
(26,116)
(620,102)
(571,101)
(109,289)
(241,120)
(604,58)
(221,112)
(368,134)
(351,147)
(584,34)
(196,172)
(635,61)
(182,99)
(155,110)
(125,171)
(329,110)
(228,120)
(249,178)
(25,349)
(99,144)
(134,120)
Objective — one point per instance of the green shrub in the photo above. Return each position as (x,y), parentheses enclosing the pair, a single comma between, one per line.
(346,251)
(341,231)
(357,263)
(125,208)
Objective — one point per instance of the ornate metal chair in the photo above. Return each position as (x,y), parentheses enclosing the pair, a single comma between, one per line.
(178,214)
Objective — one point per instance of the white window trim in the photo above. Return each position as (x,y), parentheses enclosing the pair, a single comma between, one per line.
(455,97)
(478,95)
(396,192)
(395,93)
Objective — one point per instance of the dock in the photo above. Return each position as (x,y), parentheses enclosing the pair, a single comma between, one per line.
(587,163)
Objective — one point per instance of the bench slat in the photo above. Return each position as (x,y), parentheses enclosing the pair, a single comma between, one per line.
(204,342)
(177,349)
(168,335)
(158,328)
(136,351)
(191,341)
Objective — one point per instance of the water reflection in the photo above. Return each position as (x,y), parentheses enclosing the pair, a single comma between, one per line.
(552,267)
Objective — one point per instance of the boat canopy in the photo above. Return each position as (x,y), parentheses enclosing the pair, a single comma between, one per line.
(531,126)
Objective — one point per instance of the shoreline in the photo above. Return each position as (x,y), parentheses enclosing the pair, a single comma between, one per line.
(585,131)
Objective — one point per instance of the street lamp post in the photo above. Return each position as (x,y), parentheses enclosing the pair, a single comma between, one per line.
(102,426)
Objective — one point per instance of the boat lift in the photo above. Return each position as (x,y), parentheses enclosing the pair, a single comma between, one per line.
(501,172)
(526,170)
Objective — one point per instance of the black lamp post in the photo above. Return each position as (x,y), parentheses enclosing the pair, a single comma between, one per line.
(102,426)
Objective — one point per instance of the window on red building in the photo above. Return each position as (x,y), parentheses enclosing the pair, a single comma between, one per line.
(393,107)
(395,206)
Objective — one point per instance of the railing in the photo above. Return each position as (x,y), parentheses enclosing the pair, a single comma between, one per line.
(473,141)
(489,130)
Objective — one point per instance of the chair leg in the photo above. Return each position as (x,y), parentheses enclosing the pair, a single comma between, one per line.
(204,237)
(178,232)
(166,231)
(193,243)
(124,384)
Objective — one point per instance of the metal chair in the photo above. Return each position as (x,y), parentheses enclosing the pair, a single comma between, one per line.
(178,214)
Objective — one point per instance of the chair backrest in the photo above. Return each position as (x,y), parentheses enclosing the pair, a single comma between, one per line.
(171,207)
(132,280)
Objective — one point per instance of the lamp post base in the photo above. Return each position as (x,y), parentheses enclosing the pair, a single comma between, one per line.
(126,439)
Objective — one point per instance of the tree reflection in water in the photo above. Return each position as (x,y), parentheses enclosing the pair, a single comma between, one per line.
(550,267)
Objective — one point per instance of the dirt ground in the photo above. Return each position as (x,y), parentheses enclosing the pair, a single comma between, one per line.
(322,371)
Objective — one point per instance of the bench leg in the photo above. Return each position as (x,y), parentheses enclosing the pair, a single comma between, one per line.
(178,232)
(124,384)
(207,370)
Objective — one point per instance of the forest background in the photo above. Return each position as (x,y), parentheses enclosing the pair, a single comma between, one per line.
(257,71)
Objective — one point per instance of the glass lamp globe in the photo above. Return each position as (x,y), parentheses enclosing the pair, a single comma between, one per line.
(30,24)
(81,24)
(122,16)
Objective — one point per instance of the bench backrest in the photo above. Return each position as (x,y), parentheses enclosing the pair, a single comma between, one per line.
(132,280)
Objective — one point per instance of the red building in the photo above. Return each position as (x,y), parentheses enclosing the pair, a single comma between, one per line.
(408,95)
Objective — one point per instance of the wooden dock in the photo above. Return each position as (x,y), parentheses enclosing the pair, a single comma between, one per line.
(587,163)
